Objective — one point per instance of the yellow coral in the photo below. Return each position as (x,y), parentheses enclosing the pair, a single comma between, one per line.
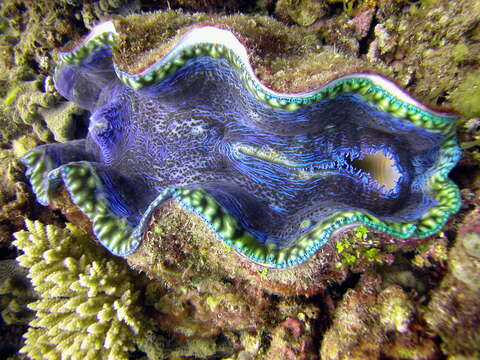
(87,307)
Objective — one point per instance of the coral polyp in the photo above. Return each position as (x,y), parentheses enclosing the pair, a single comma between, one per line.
(273,174)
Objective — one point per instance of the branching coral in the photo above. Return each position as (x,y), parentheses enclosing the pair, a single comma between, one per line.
(88,304)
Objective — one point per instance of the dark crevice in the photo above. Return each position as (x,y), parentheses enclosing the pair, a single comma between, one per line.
(77,23)
(336,8)
(327,303)
(324,320)
(364,44)
(8,252)
(338,290)
(460,175)
(9,343)
(442,98)
(438,340)
(224,348)
(270,8)
(80,125)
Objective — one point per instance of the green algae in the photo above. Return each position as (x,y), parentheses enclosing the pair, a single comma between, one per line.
(460,53)
(213,302)
(465,97)
(3,25)
(302,12)
(263,273)
(354,249)
(11,96)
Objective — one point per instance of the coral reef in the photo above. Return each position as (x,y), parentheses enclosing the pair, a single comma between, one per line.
(438,41)
(87,305)
(417,300)
(122,171)
(454,309)
(32,31)
(373,323)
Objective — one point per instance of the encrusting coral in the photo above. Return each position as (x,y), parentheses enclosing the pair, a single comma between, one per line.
(454,307)
(371,322)
(88,304)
